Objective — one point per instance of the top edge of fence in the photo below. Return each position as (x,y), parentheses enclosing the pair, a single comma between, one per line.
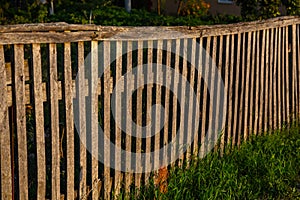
(61,32)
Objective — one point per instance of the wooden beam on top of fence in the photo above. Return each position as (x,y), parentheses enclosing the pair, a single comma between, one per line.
(226,94)
(271,66)
(80,94)
(241,112)
(236,95)
(252,85)
(287,74)
(5,142)
(69,128)
(275,79)
(262,82)
(205,55)
(139,111)
(279,79)
(19,91)
(247,88)
(39,121)
(55,183)
(118,131)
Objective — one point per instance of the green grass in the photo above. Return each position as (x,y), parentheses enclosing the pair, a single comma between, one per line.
(266,167)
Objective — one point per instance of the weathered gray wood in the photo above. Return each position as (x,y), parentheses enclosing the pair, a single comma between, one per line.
(271,66)
(39,121)
(203,147)
(257,84)
(262,82)
(294,78)
(279,74)
(19,85)
(244,69)
(275,81)
(287,74)
(94,118)
(81,90)
(252,91)
(247,88)
(117,178)
(9,72)
(106,64)
(236,99)
(267,67)
(5,143)
(282,83)
(55,183)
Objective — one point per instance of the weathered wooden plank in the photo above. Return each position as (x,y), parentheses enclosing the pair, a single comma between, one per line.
(275,82)
(107,156)
(19,85)
(69,131)
(5,143)
(203,147)
(271,66)
(242,107)
(247,86)
(55,182)
(298,49)
(236,99)
(287,74)
(279,74)
(80,92)
(267,78)
(129,88)
(9,70)
(252,91)
(256,119)
(117,178)
(94,118)
(139,112)
(39,121)
(282,83)
(226,85)
(182,125)
(295,94)
(262,82)
(230,97)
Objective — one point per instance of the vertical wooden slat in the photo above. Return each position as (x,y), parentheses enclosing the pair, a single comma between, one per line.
(81,91)
(139,112)
(175,96)
(148,108)
(287,74)
(107,85)
(39,121)
(212,75)
(191,100)
(117,181)
(199,75)
(261,86)
(275,80)
(94,118)
(271,88)
(267,67)
(158,101)
(294,78)
(69,120)
(282,83)
(54,122)
(247,88)
(167,98)
(252,91)
(256,122)
(226,80)
(244,68)
(128,175)
(279,72)
(205,93)
(182,102)
(19,83)
(230,98)
(298,50)
(5,143)
(236,95)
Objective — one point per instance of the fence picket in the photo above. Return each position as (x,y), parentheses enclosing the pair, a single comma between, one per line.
(262,82)
(271,66)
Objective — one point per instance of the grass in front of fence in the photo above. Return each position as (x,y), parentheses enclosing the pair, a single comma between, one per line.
(266,167)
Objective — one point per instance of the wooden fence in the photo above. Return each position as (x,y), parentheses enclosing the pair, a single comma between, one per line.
(41,155)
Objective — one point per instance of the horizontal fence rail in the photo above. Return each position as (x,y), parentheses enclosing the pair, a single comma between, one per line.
(85,109)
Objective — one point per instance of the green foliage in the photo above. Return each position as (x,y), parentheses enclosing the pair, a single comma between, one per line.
(266,167)
(292,6)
